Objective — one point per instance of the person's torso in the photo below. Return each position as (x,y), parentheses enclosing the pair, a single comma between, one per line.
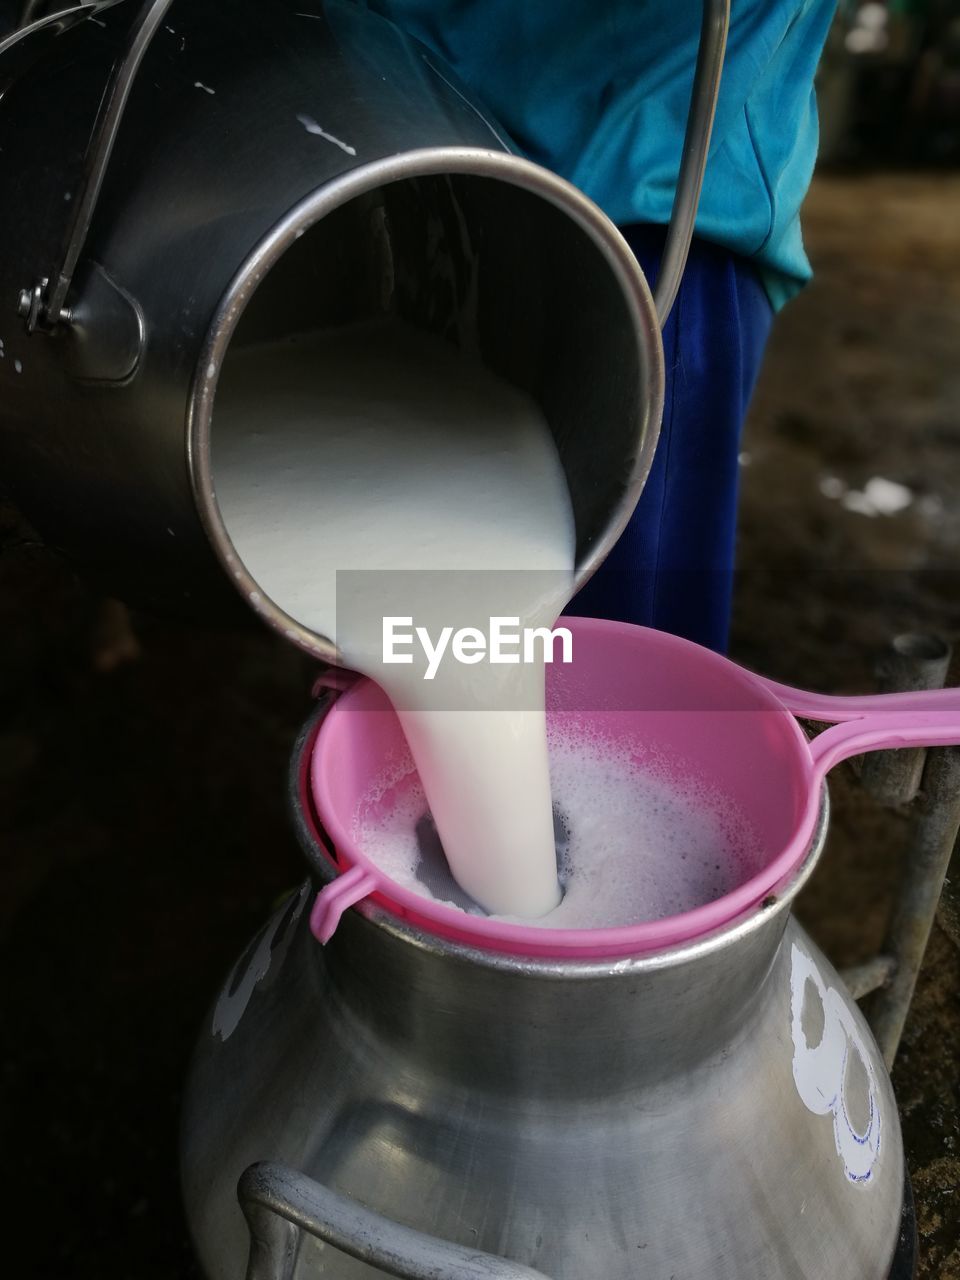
(598,91)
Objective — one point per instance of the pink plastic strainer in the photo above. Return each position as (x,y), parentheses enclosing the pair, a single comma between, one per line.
(688,705)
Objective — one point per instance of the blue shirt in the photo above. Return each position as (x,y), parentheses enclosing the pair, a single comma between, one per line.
(598,91)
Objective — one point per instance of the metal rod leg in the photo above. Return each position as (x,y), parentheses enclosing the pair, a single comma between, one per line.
(933,831)
(910,664)
(861,979)
(948,914)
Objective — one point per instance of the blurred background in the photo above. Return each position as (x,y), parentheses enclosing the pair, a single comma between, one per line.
(142,762)
(889,84)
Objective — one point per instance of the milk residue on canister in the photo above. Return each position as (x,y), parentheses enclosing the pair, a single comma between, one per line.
(638,838)
(383,449)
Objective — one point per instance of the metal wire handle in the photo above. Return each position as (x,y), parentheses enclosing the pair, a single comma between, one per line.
(31,12)
(696,148)
(43,305)
(279,1203)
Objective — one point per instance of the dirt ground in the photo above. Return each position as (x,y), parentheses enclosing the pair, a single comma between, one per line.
(862,381)
(143,833)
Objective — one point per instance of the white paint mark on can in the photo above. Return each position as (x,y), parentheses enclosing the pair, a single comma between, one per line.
(311,126)
(822,1071)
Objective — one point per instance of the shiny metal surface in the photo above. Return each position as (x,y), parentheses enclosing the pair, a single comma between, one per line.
(224,218)
(592,1121)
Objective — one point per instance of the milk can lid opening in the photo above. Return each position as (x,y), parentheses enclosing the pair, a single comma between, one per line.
(475,247)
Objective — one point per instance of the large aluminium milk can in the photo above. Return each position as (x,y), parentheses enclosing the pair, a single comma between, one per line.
(399,1104)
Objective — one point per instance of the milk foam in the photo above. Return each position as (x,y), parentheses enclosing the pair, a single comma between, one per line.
(380,448)
(637,838)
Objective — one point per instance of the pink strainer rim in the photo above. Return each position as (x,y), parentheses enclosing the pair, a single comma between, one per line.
(360,878)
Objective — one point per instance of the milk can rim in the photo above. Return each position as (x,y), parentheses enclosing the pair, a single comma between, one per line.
(424,162)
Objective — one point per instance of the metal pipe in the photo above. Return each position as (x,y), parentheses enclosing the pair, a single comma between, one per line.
(861,979)
(696,148)
(935,822)
(911,663)
(948,913)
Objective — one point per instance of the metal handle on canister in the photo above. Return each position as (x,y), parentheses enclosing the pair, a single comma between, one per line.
(696,148)
(43,304)
(279,1203)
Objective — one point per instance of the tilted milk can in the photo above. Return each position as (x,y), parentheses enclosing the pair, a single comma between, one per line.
(185,179)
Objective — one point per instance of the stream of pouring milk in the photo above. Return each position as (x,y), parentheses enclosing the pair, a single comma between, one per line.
(380,448)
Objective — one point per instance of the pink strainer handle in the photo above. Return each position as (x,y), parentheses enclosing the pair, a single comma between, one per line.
(880,730)
(334,899)
(834,710)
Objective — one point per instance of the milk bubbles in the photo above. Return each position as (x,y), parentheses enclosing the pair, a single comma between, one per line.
(637,837)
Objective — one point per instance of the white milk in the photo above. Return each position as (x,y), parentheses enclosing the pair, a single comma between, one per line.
(638,840)
(380,448)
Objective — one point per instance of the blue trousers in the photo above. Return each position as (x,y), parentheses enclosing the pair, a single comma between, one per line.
(673,566)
